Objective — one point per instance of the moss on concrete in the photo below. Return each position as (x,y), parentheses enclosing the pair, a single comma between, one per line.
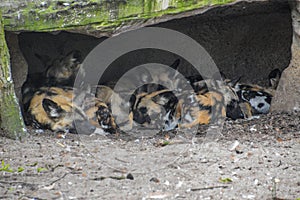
(10,116)
(96,15)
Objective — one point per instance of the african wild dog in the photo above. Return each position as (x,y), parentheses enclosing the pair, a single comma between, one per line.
(62,71)
(274,77)
(206,101)
(59,72)
(155,109)
(210,102)
(231,99)
(259,97)
(61,109)
(119,107)
(151,105)
(145,107)
(145,102)
(52,103)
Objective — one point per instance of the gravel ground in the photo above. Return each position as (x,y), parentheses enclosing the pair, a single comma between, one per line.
(248,159)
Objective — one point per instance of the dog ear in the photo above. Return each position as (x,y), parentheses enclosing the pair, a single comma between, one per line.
(274,78)
(175,64)
(73,58)
(174,73)
(62,71)
(52,109)
(166,99)
(200,87)
(233,82)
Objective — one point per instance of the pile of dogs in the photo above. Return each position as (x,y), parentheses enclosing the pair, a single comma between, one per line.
(51,102)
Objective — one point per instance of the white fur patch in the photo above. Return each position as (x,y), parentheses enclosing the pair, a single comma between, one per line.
(260,100)
(188,117)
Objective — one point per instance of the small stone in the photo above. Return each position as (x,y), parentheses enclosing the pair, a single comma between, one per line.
(43,3)
(238,150)
(234,145)
(253,129)
(179,184)
(130,176)
(39,131)
(276,180)
(249,196)
(167,183)
(154,179)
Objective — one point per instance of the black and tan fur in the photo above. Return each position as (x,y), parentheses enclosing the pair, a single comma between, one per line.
(119,107)
(59,72)
(154,109)
(207,101)
(62,71)
(224,87)
(259,97)
(203,106)
(58,109)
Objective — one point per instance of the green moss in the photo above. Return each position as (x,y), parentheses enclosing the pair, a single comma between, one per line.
(102,16)
(10,115)
(11,120)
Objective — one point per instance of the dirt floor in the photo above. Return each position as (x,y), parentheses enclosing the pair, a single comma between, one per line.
(249,159)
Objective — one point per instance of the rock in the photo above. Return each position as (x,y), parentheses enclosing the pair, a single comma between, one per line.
(287,97)
(19,67)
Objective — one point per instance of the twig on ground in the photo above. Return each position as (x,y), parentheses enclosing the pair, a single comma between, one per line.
(209,188)
(124,161)
(63,176)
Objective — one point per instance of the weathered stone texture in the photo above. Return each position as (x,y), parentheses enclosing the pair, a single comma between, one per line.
(11,122)
(287,97)
(19,66)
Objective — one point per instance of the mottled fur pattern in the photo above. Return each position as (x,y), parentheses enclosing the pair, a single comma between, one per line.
(191,108)
(118,106)
(259,97)
(150,108)
(59,72)
(53,105)
(209,102)
(202,107)
(57,109)
(231,99)
(62,71)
